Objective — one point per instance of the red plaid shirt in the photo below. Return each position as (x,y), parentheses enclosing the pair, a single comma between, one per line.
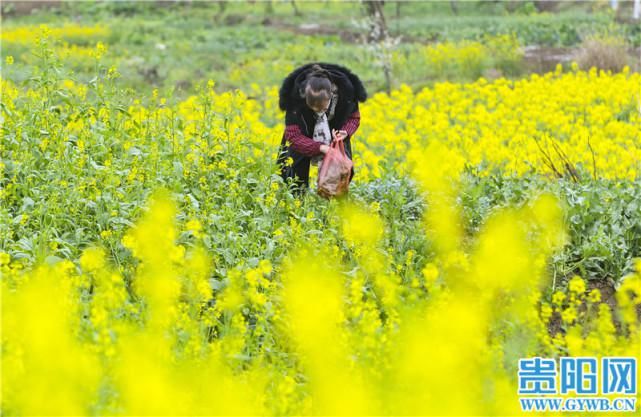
(307,146)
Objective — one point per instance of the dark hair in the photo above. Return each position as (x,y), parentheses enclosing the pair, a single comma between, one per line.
(318,87)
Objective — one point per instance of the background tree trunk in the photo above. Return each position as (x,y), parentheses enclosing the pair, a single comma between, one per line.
(296,10)
(378,26)
(378,37)
(454,6)
(269,7)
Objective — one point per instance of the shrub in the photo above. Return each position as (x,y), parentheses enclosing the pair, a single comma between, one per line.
(606,53)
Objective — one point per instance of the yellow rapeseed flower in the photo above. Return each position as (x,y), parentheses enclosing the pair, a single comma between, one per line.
(577,285)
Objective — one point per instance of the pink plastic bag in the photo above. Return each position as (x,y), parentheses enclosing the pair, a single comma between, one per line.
(333,177)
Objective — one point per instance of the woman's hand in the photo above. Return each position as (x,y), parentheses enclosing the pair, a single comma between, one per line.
(339,134)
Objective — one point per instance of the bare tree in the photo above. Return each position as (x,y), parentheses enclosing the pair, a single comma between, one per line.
(296,11)
(379,39)
(454,6)
(378,26)
(222,5)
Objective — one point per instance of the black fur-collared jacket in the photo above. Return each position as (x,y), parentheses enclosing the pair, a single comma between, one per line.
(291,97)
